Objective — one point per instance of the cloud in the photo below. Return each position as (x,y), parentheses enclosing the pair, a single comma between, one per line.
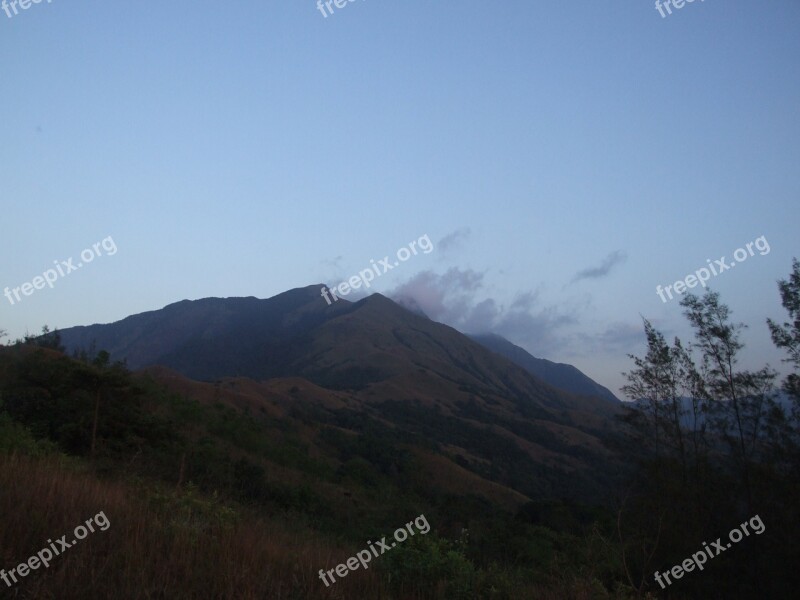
(453,298)
(609,262)
(452,240)
(331,270)
(617,338)
(333,263)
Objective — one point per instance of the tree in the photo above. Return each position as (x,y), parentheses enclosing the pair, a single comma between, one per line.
(741,400)
(47,339)
(50,339)
(101,379)
(701,402)
(668,384)
(787,336)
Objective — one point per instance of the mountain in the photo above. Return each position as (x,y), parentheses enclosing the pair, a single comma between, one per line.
(562,376)
(373,361)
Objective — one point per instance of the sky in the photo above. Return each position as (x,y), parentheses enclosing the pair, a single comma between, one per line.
(564,159)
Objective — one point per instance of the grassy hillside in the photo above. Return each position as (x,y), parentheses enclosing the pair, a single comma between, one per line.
(373,368)
(227,491)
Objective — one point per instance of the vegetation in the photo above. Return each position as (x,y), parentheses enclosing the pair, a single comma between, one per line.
(207,499)
(718,444)
(210,500)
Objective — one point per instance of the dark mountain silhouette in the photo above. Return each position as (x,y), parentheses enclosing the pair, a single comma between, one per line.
(385,363)
(563,376)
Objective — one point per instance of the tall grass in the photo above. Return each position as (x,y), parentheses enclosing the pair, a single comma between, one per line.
(159,545)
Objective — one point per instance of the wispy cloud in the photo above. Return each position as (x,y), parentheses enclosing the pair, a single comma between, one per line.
(604,268)
(454,298)
(454,239)
(617,338)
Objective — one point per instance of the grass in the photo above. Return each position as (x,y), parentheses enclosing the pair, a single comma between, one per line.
(161,544)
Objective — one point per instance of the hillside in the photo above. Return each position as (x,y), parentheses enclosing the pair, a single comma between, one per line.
(374,359)
(562,376)
(232,472)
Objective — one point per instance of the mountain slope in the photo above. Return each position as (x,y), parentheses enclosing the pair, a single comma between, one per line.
(563,376)
(423,380)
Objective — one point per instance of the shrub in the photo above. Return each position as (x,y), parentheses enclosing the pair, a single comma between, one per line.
(429,565)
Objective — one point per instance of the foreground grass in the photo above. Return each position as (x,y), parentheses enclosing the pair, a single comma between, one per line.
(169,544)
(207,502)
(159,545)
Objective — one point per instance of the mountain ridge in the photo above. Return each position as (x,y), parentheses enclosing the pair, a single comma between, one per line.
(561,375)
(415,376)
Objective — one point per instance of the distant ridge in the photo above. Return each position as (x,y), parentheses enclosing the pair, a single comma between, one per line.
(562,376)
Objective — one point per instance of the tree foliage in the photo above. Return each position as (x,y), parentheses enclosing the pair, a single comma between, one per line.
(716,446)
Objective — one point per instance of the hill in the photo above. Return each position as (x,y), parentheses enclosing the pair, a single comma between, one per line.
(560,375)
(374,360)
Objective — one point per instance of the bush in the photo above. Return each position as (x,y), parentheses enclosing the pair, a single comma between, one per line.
(430,565)
(16,438)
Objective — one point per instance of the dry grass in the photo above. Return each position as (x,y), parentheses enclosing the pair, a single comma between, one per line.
(151,552)
(173,546)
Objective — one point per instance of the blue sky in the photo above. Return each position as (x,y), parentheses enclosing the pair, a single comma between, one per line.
(246,148)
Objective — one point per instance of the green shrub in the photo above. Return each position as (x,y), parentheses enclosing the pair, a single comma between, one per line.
(427,564)
(16,438)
